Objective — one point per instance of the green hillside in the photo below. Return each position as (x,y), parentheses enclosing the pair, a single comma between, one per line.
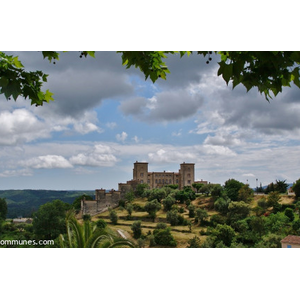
(25,202)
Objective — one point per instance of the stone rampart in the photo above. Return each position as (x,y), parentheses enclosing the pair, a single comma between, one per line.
(103,201)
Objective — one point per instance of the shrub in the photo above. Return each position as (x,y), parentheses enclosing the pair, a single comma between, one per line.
(194,242)
(290,214)
(151,239)
(122,203)
(86,217)
(163,237)
(101,223)
(161,225)
(191,209)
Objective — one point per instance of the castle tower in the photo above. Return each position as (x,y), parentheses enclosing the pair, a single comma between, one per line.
(187,174)
(140,171)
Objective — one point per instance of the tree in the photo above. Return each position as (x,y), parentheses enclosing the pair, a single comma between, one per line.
(152,207)
(269,71)
(221,205)
(3,208)
(173,217)
(245,193)
(49,221)
(201,214)
(271,240)
(191,209)
(273,201)
(238,211)
(232,188)
(163,237)
(224,233)
(217,190)
(129,196)
(168,202)
(197,186)
(136,229)
(290,214)
(140,188)
(113,216)
(280,186)
(129,208)
(296,188)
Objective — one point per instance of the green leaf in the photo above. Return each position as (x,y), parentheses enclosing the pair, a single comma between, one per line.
(48,96)
(17,63)
(227,72)
(4,81)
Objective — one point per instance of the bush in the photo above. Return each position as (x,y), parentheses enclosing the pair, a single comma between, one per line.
(290,214)
(151,239)
(137,207)
(163,237)
(86,217)
(122,203)
(101,223)
(194,242)
(191,209)
(217,219)
(161,225)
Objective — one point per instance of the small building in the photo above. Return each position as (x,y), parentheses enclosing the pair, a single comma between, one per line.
(291,192)
(22,220)
(291,241)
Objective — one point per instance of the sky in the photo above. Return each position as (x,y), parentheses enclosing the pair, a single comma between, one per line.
(105,117)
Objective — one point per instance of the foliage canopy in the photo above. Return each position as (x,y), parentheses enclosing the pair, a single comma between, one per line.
(268,71)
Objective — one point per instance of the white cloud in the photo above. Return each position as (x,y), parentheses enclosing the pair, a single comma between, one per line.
(99,156)
(121,137)
(16,173)
(47,162)
(20,126)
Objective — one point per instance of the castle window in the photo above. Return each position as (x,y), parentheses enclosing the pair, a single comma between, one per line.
(142,181)
(155,180)
(176,180)
(189,175)
(159,180)
(142,174)
(189,182)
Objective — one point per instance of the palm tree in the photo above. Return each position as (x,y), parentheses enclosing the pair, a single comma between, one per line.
(88,236)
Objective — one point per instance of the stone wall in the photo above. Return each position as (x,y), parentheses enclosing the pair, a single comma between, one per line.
(103,201)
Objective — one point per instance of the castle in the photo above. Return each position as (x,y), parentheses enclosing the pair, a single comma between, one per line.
(103,200)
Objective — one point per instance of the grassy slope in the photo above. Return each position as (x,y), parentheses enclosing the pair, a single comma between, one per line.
(180,233)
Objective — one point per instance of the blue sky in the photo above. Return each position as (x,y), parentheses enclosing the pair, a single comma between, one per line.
(105,117)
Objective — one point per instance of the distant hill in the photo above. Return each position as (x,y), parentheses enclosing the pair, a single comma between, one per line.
(25,202)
